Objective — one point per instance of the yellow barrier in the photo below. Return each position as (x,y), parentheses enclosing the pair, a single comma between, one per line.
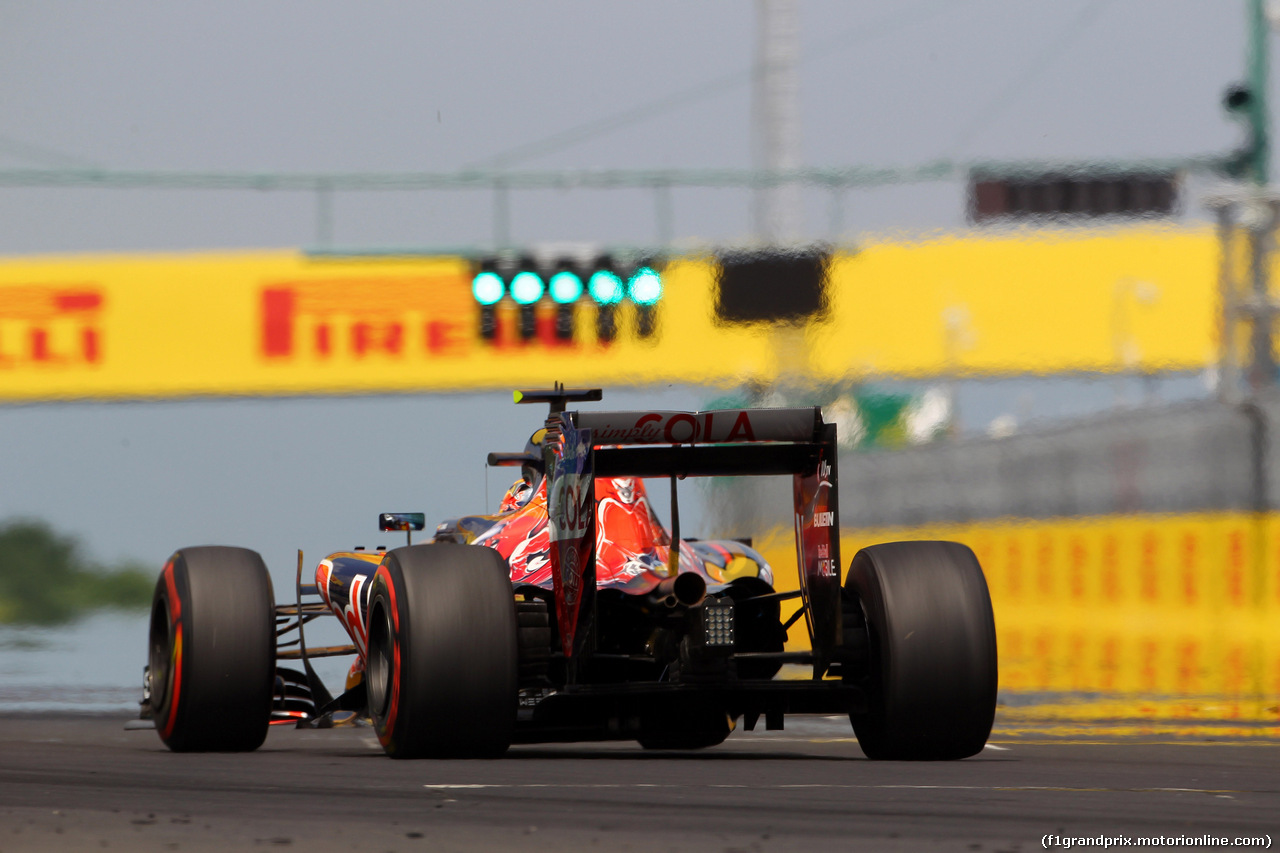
(1141,606)
(280,322)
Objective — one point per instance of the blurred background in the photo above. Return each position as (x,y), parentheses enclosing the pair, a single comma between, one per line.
(1020,253)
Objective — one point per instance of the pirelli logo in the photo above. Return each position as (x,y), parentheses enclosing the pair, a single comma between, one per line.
(400,317)
(50,325)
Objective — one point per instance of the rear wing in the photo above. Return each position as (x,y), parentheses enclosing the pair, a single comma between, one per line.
(727,442)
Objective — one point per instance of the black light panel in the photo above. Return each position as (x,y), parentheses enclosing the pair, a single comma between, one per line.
(1074,196)
(771,286)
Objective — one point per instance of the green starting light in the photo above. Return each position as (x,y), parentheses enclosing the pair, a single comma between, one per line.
(606,288)
(645,287)
(487,288)
(566,287)
(526,288)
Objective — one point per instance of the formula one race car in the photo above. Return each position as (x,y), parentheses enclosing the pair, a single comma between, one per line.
(573,614)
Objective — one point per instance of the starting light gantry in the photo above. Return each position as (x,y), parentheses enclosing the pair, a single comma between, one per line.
(566,280)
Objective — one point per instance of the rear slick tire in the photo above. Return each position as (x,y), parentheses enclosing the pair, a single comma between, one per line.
(443,656)
(932,674)
(212,650)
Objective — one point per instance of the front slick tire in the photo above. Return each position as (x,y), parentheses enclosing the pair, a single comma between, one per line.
(442,666)
(931,683)
(213,650)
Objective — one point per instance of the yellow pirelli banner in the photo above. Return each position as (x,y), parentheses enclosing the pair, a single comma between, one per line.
(285,323)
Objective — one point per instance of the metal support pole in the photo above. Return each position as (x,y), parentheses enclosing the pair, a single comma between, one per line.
(776,117)
(1259,216)
(1228,368)
(1261,226)
(1258,113)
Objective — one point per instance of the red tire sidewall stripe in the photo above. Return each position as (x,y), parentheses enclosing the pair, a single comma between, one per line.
(386,731)
(176,664)
(174,682)
(175,603)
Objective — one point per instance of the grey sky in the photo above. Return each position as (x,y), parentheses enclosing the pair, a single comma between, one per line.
(330,86)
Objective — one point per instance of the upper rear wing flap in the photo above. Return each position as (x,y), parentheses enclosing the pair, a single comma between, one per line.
(720,426)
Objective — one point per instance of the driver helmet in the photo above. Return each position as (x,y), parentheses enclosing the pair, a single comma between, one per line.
(517,496)
(522,490)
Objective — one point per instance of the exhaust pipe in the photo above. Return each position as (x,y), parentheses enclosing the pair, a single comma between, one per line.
(683,590)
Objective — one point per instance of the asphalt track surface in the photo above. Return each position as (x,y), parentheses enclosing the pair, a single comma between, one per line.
(83,783)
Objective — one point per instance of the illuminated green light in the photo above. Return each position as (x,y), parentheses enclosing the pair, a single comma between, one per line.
(645,287)
(526,288)
(606,288)
(566,287)
(487,288)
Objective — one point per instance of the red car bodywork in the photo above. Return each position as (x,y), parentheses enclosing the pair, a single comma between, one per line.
(632,550)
